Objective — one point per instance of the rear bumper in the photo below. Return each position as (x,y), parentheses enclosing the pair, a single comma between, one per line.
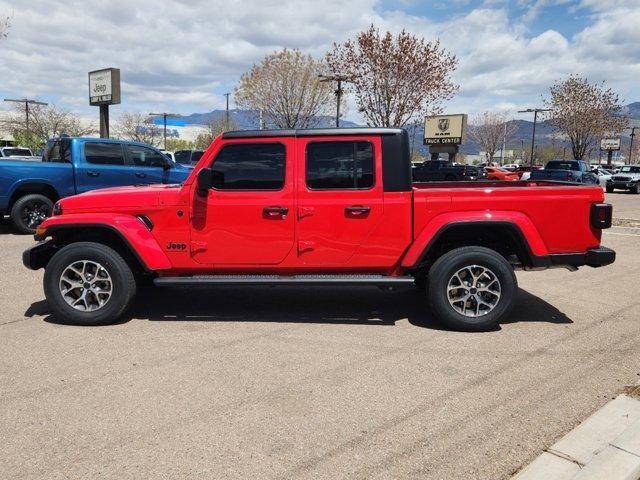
(594,257)
(39,255)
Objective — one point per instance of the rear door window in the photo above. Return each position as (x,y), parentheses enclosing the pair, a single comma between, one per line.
(100,153)
(340,165)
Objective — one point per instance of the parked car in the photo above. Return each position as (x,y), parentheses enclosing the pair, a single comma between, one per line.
(69,166)
(627,179)
(499,173)
(444,170)
(524,171)
(188,158)
(20,153)
(327,207)
(577,171)
(512,167)
(603,175)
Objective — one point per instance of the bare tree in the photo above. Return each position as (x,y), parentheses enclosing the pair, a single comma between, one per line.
(490,130)
(215,128)
(138,127)
(584,112)
(396,80)
(5,25)
(45,121)
(285,87)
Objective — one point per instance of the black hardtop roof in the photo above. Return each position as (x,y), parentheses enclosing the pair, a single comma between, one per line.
(313,132)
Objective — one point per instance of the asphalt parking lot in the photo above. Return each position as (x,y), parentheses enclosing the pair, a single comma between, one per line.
(310,383)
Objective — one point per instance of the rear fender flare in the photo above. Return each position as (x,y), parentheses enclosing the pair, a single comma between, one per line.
(522,225)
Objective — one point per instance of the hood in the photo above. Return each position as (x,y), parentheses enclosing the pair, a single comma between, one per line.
(116,198)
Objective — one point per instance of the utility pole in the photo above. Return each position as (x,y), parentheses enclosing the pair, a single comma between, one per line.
(633,134)
(26,102)
(504,144)
(338,92)
(164,118)
(535,120)
(226,125)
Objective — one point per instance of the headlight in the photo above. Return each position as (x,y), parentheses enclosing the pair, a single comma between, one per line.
(57,209)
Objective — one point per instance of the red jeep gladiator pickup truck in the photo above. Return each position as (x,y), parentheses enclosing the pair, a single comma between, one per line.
(316,207)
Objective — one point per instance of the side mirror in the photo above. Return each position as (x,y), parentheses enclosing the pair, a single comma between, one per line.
(205,181)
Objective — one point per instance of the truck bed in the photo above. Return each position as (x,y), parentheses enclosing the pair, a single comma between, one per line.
(558,212)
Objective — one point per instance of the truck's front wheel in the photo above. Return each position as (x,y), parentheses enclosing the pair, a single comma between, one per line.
(472,288)
(30,211)
(88,284)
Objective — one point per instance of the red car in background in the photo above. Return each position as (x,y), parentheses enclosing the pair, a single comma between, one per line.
(499,173)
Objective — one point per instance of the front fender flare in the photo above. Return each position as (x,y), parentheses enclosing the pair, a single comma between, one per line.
(131,230)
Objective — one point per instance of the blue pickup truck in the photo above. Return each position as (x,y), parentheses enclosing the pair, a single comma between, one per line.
(567,171)
(28,190)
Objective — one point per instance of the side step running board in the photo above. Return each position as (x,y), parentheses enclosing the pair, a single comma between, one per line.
(315,280)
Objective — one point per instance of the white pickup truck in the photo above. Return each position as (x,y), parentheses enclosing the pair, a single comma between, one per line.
(18,153)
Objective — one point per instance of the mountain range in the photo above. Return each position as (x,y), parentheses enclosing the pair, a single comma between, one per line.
(545,135)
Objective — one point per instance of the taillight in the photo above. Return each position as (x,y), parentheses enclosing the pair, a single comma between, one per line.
(601,214)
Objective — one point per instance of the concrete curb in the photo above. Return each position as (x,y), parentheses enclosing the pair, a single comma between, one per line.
(606,446)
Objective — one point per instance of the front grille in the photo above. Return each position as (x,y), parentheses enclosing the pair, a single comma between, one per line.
(621,179)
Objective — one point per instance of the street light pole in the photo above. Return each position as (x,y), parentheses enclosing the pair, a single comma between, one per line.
(226,126)
(338,92)
(535,120)
(164,119)
(633,134)
(26,102)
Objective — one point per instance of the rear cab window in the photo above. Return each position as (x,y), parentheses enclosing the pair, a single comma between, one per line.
(340,165)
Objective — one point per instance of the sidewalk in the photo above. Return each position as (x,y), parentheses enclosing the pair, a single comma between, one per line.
(606,446)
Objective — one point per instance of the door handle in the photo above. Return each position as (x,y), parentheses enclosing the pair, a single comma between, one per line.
(140,174)
(275,212)
(357,210)
(93,173)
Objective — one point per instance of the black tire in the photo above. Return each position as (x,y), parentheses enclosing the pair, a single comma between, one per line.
(635,189)
(122,281)
(609,189)
(30,211)
(443,271)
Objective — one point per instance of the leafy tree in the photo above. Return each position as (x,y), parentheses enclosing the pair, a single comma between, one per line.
(174,144)
(490,130)
(584,112)
(285,87)
(396,80)
(215,128)
(5,25)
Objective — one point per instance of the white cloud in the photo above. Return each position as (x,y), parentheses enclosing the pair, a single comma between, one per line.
(181,56)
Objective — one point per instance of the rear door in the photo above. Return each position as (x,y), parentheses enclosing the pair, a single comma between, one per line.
(340,197)
(248,217)
(102,164)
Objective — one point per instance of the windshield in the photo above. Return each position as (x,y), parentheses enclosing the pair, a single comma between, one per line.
(563,166)
(630,169)
(20,152)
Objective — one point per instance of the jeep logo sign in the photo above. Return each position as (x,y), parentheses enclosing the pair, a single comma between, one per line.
(445,129)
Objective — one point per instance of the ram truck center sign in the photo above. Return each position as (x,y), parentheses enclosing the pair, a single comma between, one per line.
(104,86)
(445,129)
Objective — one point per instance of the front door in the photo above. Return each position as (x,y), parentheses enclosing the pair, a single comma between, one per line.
(102,165)
(340,198)
(247,217)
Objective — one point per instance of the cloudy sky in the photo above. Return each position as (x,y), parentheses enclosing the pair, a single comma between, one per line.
(183,55)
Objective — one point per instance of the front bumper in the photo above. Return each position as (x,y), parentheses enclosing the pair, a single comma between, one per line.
(39,255)
(622,185)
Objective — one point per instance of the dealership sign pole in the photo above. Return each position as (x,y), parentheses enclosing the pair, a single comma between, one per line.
(610,145)
(104,90)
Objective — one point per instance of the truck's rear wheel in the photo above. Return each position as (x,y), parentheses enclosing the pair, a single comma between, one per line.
(88,284)
(472,288)
(30,211)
